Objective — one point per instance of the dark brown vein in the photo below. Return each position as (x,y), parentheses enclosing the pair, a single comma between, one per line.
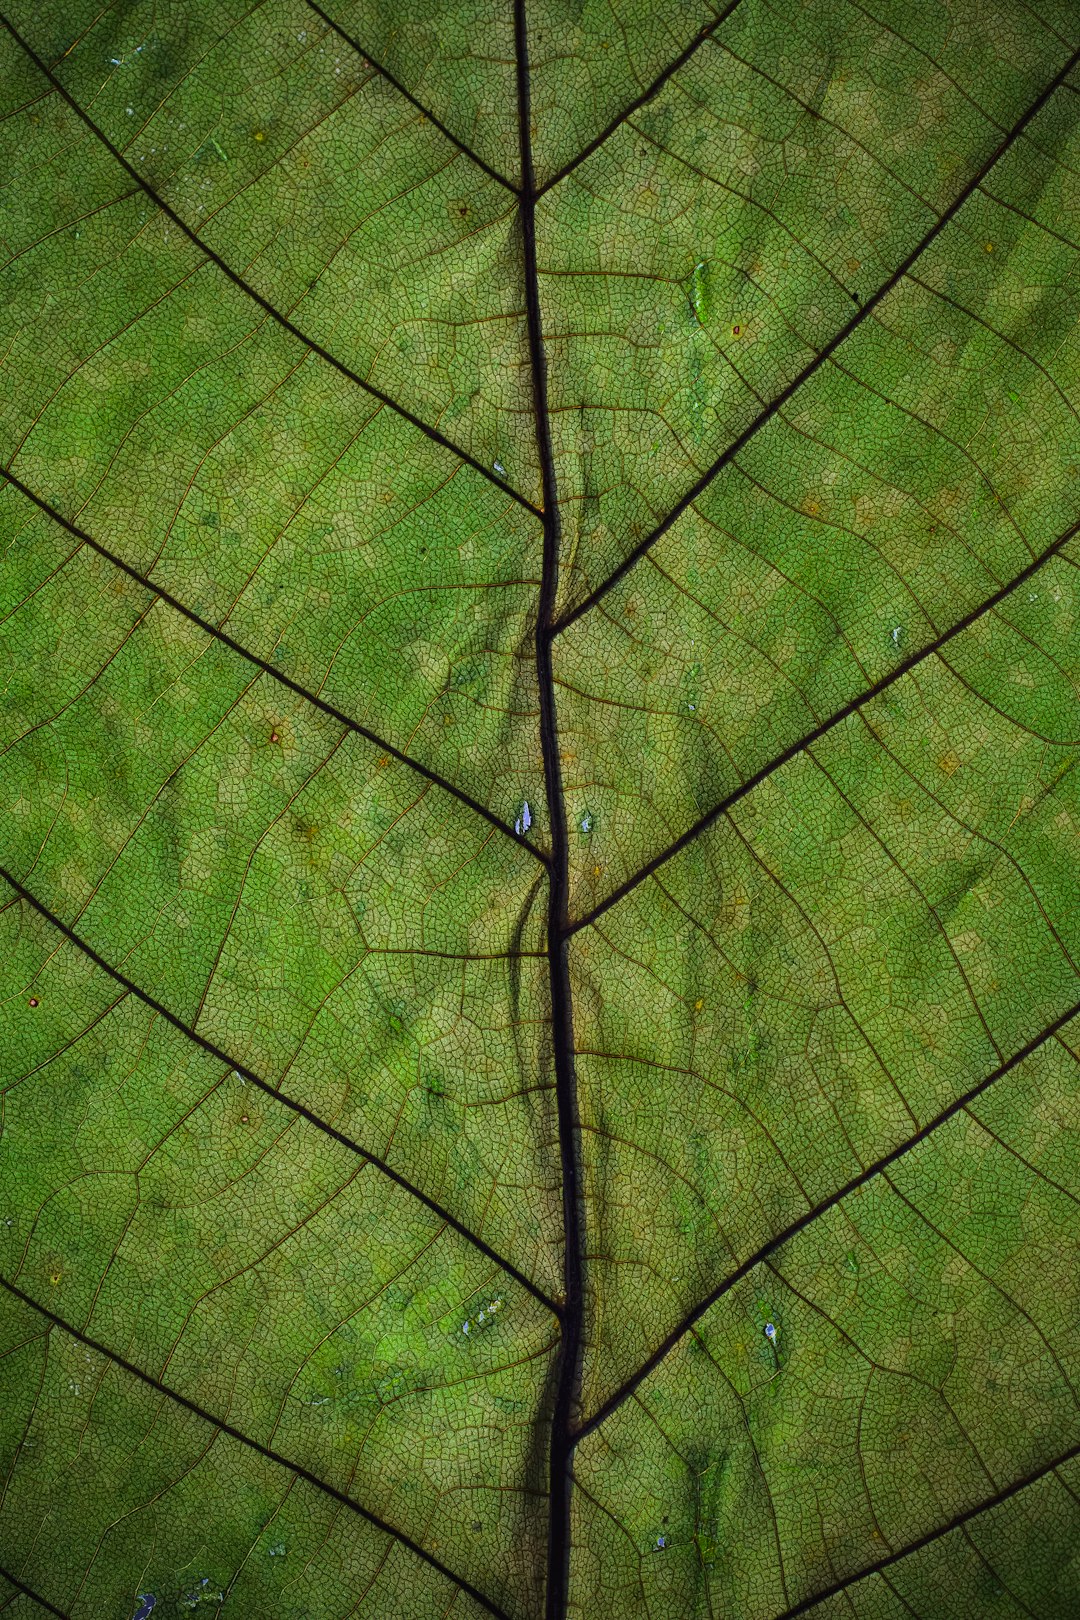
(957,1522)
(646,96)
(845,712)
(250,292)
(28,1591)
(235,646)
(823,354)
(223,1427)
(819,1209)
(568,1365)
(282,1097)
(426,112)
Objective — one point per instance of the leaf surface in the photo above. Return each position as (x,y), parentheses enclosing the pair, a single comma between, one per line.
(540,977)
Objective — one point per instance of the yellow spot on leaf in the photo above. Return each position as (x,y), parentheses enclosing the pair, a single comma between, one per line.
(949,763)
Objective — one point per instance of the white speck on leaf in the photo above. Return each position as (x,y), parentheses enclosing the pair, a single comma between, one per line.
(499,468)
(524,821)
(770,1331)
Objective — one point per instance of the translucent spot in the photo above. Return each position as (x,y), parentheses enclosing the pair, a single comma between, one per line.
(200,1593)
(147,1603)
(524,821)
(484,1316)
(770,1331)
(74,1387)
(499,468)
(661,1543)
(277,1550)
(131,113)
(699,292)
(318,1400)
(897,635)
(586,823)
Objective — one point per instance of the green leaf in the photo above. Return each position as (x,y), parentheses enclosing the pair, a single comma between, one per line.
(539,966)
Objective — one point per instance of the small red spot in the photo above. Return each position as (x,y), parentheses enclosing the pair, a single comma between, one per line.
(243,1119)
(274,737)
(33,1001)
(735,330)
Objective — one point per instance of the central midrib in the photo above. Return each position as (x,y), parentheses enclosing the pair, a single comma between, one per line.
(568,1365)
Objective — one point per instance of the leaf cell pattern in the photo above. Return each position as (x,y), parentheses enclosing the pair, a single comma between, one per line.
(540,1006)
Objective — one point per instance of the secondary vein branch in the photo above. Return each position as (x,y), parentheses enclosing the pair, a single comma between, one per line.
(425,112)
(267,668)
(291,1103)
(251,292)
(957,1522)
(865,310)
(224,1427)
(819,1209)
(809,738)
